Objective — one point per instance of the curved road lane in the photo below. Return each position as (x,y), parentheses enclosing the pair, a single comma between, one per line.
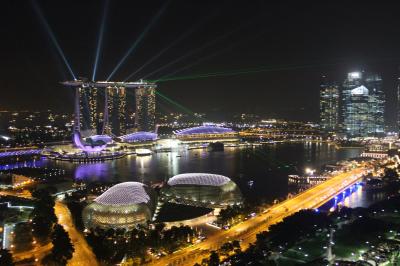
(83,254)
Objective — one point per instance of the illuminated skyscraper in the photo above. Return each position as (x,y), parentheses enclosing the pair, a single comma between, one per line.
(363,105)
(376,104)
(329,106)
(398,105)
(115,106)
(115,111)
(145,116)
(357,119)
(86,114)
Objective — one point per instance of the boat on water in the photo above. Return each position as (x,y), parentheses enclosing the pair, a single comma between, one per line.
(143,152)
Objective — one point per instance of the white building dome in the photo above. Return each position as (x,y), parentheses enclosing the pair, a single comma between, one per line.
(124,194)
(202,179)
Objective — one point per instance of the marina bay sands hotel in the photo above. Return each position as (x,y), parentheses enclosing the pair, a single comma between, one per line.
(111,97)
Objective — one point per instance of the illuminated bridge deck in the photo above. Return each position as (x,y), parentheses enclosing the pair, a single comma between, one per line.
(20,153)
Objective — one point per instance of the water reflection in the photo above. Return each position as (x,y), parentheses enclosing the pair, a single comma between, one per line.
(16,165)
(354,197)
(91,172)
(266,166)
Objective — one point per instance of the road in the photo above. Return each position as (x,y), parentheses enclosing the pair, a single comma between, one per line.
(83,254)
(39,252)
(247,230)
(20,194)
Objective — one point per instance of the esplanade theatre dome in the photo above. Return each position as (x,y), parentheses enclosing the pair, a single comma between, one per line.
(203,190)
(205,132)
(122,206)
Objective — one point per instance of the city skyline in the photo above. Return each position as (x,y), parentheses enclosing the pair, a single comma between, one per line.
(199,133)
(213,43)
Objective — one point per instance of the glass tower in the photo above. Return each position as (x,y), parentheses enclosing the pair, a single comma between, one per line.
(329,106)
(398,105)
(145,116)
(363,103)
(376,104)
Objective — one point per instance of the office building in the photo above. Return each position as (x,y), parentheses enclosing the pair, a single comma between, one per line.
(329,107)
(363,102)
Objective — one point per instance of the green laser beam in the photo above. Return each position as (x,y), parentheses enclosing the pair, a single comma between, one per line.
(218,52)
(267,69)
(204,46)
(174,103)
(241,72)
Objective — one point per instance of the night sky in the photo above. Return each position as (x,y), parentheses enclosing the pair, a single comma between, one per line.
(298,42)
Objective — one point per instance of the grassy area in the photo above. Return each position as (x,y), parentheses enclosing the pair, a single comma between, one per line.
(307,250)
(347,245)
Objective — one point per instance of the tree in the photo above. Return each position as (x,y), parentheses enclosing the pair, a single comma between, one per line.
(43,213)
(226,248)
(297,226)
(6,258)
(214,259)
(100,245)
(236,246)
(76,208)
(42,227)
(391,174)
(62,247)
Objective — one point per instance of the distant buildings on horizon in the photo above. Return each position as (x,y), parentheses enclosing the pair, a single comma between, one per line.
(354,108)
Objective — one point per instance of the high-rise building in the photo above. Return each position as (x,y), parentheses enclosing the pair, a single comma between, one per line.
(114,117)
(362,105)
(145,115)
(376,104)
(329,106)
(357,118)
(398,104)
(115,111)
(86,110)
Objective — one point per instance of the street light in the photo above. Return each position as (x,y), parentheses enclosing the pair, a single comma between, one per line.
(309,171)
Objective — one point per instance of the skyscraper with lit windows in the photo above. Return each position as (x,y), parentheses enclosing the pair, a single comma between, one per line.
(115,111)
(376,104)
(86,110)
(398,105)
(363,103)
(329,106)
(114,116)
(145,115)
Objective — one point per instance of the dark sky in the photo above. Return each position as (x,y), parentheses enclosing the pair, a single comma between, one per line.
(298,41)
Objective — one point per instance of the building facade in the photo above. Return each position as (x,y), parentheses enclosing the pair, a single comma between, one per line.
(376,104)
(123,206)
(86,110)
(145,115)
(115,111)
(329,107)
(398,104)
(114,117)
(363,103)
